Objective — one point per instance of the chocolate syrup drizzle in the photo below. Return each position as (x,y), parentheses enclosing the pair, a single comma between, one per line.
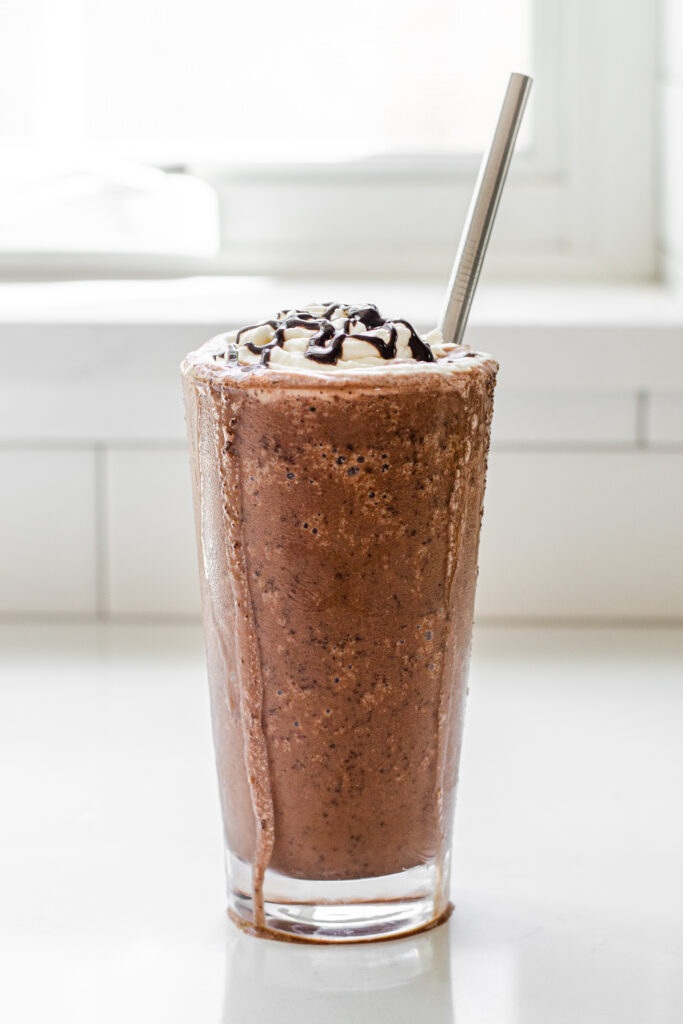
(325,344)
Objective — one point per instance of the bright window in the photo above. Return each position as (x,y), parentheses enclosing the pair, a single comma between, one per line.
(365,120)
(178,80)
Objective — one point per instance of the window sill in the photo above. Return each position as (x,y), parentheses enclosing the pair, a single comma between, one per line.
(545,337)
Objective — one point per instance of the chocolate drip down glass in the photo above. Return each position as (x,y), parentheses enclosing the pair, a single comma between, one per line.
(338,518)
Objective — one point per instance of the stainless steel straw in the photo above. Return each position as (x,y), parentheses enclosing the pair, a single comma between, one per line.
(482,211)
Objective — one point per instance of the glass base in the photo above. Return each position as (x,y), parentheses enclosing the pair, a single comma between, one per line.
(355,910)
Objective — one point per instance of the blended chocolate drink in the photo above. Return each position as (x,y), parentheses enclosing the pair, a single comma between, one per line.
(339,463)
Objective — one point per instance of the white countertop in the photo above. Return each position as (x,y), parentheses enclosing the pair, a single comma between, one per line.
(568,878)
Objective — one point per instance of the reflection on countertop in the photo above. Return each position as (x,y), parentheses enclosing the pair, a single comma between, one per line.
(374,982)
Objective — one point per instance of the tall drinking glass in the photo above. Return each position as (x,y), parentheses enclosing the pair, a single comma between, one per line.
(338,513)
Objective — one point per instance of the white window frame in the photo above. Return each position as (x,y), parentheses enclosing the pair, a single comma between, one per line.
(561,217)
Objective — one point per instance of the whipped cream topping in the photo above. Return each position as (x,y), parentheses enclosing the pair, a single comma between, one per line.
(332,336)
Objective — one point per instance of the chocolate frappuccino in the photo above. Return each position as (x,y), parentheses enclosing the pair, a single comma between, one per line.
(339,464)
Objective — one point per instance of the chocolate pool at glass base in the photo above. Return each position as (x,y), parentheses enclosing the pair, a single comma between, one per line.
(338,511)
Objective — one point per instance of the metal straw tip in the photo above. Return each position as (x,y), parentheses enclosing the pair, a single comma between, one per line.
(483,209)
